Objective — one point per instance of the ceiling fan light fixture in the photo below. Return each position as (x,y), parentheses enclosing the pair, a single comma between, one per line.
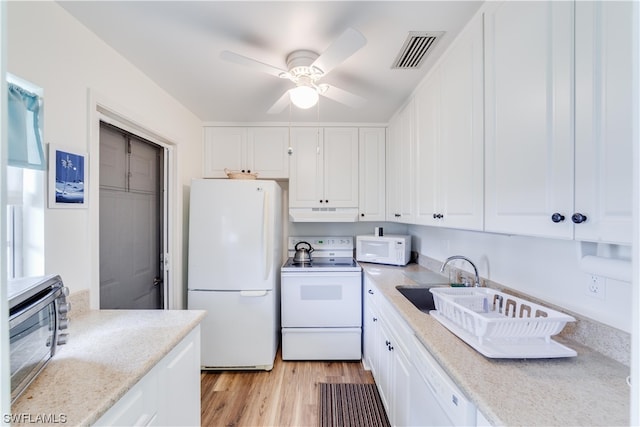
(303,96)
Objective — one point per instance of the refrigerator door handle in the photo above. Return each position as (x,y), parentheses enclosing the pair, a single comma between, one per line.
(266,248)
(253,293)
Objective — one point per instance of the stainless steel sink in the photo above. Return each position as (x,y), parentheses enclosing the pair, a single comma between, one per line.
(419,296)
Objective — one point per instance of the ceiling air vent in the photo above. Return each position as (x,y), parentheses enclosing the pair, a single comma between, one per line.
(415,49)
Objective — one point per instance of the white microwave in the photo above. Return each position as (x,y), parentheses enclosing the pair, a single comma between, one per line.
(391,249)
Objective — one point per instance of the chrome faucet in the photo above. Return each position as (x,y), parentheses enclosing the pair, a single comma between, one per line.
(475,270)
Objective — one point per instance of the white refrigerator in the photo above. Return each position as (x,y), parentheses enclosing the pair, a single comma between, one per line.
(235,253)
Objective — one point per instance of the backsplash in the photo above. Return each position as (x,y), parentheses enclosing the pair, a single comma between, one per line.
(604,339)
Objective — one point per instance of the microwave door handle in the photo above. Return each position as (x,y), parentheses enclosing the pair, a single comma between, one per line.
(29,311)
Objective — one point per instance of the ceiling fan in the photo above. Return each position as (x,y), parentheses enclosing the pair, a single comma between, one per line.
(305,68)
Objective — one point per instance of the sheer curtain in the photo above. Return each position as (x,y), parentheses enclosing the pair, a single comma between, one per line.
(24,132)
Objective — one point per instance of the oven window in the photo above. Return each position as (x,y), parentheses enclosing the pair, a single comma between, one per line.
(30,344)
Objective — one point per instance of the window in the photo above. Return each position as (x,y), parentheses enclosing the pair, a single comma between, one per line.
(26,180)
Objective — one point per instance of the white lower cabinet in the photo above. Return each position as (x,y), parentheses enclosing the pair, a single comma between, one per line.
(169,395)
(386,354)
(413,387)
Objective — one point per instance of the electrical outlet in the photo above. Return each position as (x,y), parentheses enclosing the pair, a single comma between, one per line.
(596,286)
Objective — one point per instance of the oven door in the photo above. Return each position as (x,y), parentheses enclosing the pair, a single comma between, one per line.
(30,342)
(321,299)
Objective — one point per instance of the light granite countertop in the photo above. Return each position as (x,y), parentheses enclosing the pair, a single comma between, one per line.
(587,390)
(108,352)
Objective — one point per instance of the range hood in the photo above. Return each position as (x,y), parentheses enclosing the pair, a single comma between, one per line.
(323,214)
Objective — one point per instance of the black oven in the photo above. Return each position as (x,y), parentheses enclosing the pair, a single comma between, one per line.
(37,316)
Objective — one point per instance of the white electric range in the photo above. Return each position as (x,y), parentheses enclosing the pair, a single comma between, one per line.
(321,301)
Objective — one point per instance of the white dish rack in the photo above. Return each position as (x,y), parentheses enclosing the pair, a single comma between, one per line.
(500,325)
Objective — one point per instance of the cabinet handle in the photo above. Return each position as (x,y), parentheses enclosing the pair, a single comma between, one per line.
(557,217)
(396,215)
(387,343)
(375,319)
(578,218)
(370,291)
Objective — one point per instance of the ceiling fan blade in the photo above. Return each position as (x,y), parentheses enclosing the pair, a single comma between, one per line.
(280,104)
(250,62)
(342,96)
(343,47)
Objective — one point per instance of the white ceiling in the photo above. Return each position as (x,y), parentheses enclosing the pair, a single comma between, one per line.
(178,43)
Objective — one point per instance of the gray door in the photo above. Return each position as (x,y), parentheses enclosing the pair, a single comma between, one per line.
(130,220)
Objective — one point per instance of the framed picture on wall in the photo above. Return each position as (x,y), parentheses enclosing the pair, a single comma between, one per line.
(67,178)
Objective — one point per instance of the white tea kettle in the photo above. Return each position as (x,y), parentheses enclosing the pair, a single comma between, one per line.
(302,255)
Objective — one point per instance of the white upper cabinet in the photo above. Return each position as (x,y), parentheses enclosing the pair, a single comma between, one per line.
(262,150)
(324,168)
(603,144)
(556,167)
(267,152)
(401,166)
(371,182)
(449,137)
(529,118)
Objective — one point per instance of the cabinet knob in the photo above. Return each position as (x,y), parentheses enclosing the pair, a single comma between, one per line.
(326,201)
(362,215)
(557,217)
(375,319)
(290,151)
(578,218)
(320,200)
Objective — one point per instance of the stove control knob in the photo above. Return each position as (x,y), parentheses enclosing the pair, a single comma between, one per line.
(62,339)
(63,324)
(64,308)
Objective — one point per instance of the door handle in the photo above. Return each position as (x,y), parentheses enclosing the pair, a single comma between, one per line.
(157,281)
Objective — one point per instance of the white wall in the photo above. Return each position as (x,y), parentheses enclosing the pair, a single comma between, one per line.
(548,269)
(54,51)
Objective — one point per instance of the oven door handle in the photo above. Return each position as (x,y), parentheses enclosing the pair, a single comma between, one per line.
(47,299)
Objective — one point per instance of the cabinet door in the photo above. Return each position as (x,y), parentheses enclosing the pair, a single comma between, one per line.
(179,384)
(400,166)
(385,369)
(305,181)
(528,118)
(604,106)
(461,141)
(392,176)
(340,174)
(407,162)
(224,147)
(402,372)
(267,152)
(427,103)
(371,183)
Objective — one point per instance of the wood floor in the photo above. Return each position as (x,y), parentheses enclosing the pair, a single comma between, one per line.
(285,396)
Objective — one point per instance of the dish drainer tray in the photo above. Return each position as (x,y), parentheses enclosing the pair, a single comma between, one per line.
(499,325)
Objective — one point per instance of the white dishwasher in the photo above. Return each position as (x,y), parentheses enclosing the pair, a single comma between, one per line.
(435,399)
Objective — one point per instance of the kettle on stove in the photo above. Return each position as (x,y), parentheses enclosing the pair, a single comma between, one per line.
(302,255)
